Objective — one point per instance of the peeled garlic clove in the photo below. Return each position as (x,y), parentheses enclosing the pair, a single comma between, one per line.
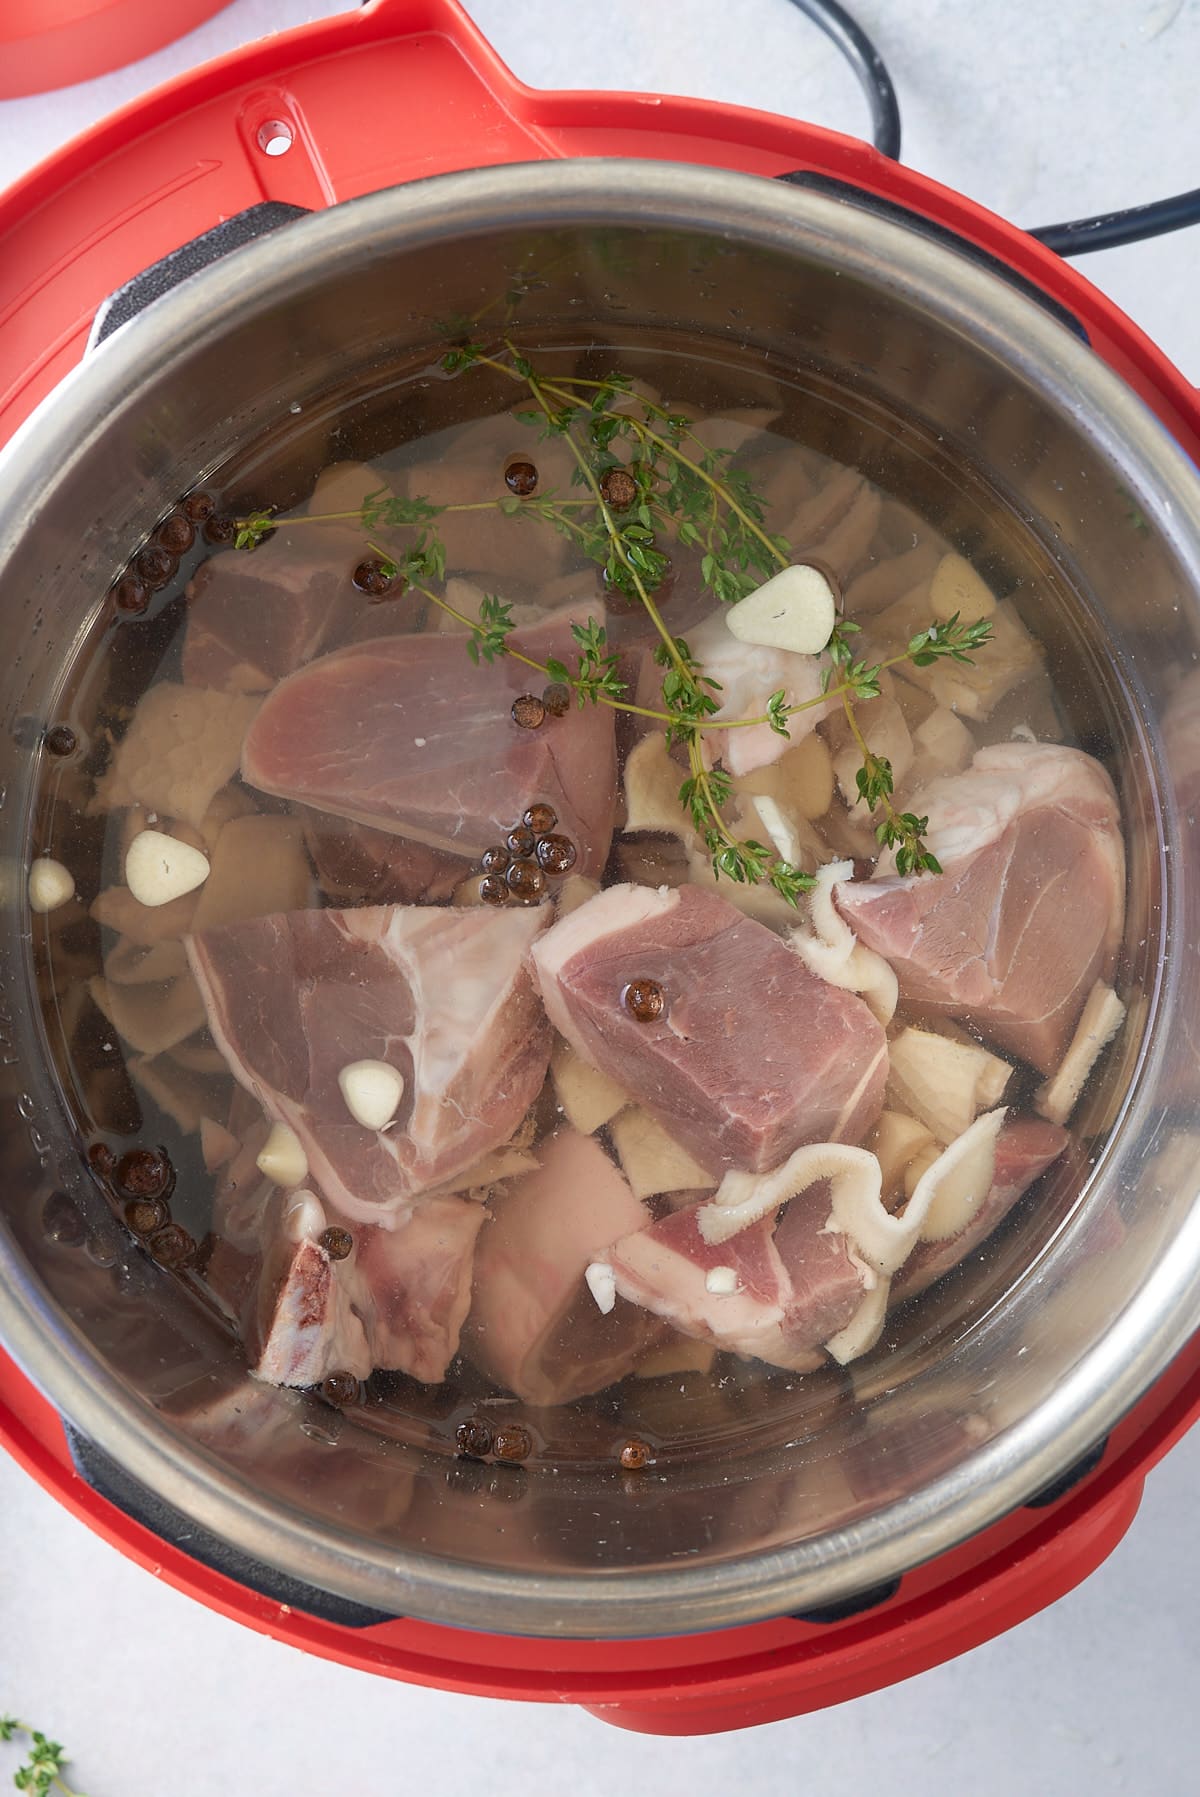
(796,610)
(372,1091)
(283,1158)
(50,884)
(304,1217)
(721,1280)
(159,868)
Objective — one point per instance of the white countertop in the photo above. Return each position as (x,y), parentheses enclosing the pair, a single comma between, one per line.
(1042,114)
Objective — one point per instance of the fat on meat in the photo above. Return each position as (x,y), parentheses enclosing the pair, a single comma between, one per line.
(443,996)
(405,734)
(753,1055)
(748,674)
(1027,913)
(534,1325)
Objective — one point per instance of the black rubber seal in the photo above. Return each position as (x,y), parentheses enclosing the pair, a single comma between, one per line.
(850,1606)
(201,252)
(837,189)
(1074,1475)
(112,1482)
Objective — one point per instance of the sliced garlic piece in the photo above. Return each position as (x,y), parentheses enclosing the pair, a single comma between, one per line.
(945,1084)
(588,1098)
(372,1091)
(651,1159)
(159,868)
(50,884)
(721,1280)
(1103,1015)
(602,1283)
(795,610)
(282,1158)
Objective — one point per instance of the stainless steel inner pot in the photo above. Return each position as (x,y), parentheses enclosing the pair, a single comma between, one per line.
(998,1386)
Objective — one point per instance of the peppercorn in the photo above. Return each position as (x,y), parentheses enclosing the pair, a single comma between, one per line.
(155,566)
(521,840)
(521,478)
(540,818)
(145,1173)
(219,530)
(336,1242)
(60,739)
(145,1215)
(644,1000)
(526,880)
(556,854)
(557,699)
(339,1389)
(473,1438)
(101,1159)
(528,712)
(199,507)
(62,1223)
(176,533)
(493,890)
(618,489)
(130,595)
(172,1246)
(495,860)
(373,578)
(512,1443)
(634,1456)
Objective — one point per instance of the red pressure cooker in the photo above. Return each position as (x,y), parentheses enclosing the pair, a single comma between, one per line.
(223,184)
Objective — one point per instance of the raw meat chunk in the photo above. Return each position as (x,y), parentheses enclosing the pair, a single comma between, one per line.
(1028,911)
(358,865)
(253,618)
(752,1056)
(534,1325)
(794,1282)
(405,735)
(442,996)
(1025,1147)
(397,1301)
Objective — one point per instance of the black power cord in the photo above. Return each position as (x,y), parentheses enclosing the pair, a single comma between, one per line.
(1077,236)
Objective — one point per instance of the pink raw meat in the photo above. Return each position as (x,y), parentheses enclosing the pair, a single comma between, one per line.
(753,1056)
(1028,910)
(397,1301)
(406,735)
(253,618)
(534,1325)
(1025,1147)
(796,1282)
(443,996)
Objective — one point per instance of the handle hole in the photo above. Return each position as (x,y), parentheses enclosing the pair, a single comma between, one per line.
(275,137)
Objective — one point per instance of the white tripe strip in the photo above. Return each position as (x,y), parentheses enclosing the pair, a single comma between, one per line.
(830,949)
(865,1326)
(944,1200)
(602,1283)
(1103,1015)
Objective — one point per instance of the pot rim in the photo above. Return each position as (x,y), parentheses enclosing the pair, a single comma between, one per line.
(965,298)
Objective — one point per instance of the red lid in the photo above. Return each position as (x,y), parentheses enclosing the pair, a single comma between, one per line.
(53,43)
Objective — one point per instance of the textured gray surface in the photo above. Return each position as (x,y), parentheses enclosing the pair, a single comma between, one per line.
(1041,116)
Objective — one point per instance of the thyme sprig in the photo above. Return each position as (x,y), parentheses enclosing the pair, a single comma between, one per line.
(676,489)
(41,1770)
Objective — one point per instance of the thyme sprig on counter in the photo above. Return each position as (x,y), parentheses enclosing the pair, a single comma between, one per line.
(649,479)
(41,1770)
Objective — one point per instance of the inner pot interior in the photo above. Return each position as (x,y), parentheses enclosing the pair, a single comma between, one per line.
(902,362)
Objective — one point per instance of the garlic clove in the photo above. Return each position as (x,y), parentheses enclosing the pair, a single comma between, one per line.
(159,868)
(372,1091)
(50,884)
(723,1281)
(303,1217)
(283,1158)
(795,610)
